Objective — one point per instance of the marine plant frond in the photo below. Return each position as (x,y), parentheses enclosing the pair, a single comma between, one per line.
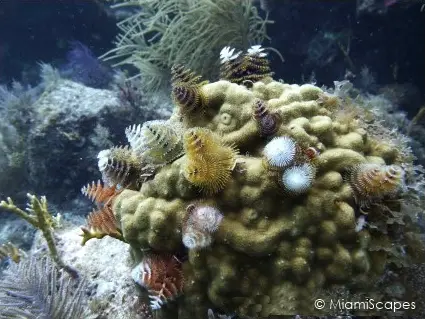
(9,250)
(99,193)
(101,223)
(245,68)
(36,288)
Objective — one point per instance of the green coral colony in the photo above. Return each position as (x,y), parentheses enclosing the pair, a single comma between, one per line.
(314,204)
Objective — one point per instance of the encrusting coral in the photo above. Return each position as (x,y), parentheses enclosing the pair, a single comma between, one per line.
(282,233)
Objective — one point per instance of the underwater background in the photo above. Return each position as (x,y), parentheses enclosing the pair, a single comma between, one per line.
(212,159)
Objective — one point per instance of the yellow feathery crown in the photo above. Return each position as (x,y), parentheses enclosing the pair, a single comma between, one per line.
(209,161)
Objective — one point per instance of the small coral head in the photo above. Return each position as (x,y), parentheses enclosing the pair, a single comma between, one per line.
(375,181)
(267,122)
(280,152)
(298,179)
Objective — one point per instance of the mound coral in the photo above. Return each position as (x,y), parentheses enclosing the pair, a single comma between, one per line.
(272,252)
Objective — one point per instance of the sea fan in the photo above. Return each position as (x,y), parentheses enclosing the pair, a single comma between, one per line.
(162,277)
(84,67)
(209,160)
(374,181)
(35,289)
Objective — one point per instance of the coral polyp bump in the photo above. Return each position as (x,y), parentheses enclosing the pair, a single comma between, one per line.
(209,161)
(280,152)
(298,179)
(374,181)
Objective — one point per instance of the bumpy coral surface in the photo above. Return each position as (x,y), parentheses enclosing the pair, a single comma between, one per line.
(275,251)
